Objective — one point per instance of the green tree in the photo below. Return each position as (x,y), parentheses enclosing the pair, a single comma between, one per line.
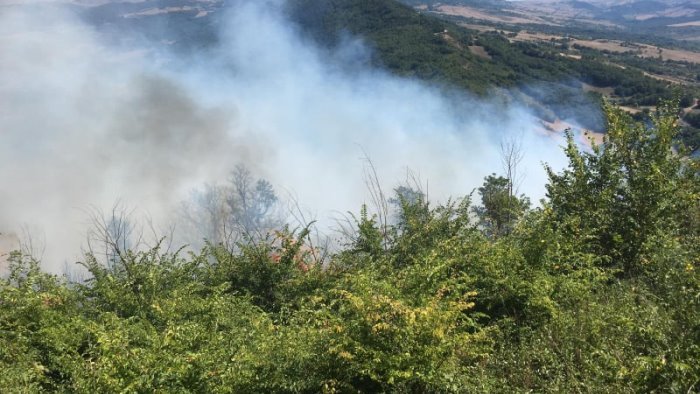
(620,196)
(499,209)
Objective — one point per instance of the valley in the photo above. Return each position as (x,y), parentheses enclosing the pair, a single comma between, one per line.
(654,40)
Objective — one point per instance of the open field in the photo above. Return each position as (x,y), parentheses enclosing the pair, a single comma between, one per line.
(642,50)
(469,12)
(585,137)
(535,36)
(520,14)
(636,17)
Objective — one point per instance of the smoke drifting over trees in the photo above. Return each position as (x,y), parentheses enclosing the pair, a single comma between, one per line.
(86,122)
(444,278)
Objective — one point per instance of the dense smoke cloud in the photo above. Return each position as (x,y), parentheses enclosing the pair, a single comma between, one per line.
(84,123)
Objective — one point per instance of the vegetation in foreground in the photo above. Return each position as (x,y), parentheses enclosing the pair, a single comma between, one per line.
(597,290)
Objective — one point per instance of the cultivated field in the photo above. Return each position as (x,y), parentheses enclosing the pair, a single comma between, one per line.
(469,12)
(642,50)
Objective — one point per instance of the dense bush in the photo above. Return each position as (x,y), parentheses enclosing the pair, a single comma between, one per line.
(596,290)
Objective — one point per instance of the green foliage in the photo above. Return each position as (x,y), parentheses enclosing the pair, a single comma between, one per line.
(595,291)
(500,208)
(624,194)
(369,236)
(401,40)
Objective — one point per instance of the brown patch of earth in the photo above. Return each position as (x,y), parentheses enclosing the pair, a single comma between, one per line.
(481,28)
(479,51)
(533,36)
(605,91)
(642,50)
(585,137)
(663,78)
(159,11)
(450,40)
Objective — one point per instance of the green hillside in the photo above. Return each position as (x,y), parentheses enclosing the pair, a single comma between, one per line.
(411,43)
(404,41)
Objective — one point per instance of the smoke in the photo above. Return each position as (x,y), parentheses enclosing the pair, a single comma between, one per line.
(84,123)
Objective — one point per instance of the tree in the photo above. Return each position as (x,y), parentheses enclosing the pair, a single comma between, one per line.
(624,194)
(251,203)
(411,205)
(245,207)
(112,234)
(500,209)
(511,157)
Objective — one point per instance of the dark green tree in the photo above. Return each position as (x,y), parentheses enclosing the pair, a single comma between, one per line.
(620,196)
(499,209)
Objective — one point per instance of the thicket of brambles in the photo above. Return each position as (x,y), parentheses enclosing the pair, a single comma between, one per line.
(595,290)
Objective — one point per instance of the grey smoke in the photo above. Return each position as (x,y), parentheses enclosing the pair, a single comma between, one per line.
(84,123)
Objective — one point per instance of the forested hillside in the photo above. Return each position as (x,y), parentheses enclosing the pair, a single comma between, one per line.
(542,76)
(597,290)
(414,44)
(418,44)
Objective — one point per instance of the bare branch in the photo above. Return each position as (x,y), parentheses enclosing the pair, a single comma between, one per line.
(379,200)
(113,234)
(511,156)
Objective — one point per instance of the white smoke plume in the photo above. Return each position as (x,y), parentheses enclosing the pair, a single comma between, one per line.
(84,123)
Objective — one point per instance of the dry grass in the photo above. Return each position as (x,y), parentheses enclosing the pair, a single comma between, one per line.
(479,51)
(468,12)
(642,50)
(530,36)
(159,11)
(604,91)
(584,137)
(636,110)
(532,12)
(481,28)
(450,40)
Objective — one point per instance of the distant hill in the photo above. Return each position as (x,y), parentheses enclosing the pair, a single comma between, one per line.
(413,42)
(404,41)
(674,19)
(632,52)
